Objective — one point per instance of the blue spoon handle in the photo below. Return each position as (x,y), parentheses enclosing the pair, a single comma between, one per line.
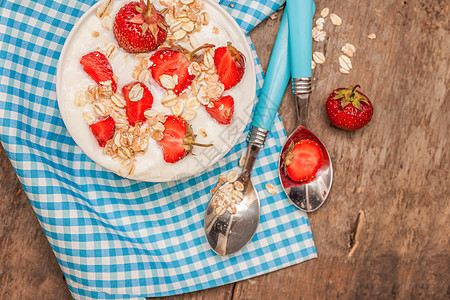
(276,80)
(300,13)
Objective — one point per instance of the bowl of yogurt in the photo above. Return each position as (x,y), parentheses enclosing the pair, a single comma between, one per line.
(134,153)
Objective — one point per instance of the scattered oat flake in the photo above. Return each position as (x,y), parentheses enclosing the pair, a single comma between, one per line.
(372,36)
(167,81)
(320,21)
(318,35)
(344,71)
(136,93)
(348,50)
(313,65)
(104,8)
(188,115)
(273,16)
(203,132)
(239,186)
(106,22)
(132,169)
(81,98)
(89,117)
(95,34)
(318,57)
(335,19)
(271,189)
(232,176)
(231,5)
(345,64)
(324,13)
(178,108)
(242,160)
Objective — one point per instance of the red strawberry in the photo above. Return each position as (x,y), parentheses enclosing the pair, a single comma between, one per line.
(139,27)
(174,61)
(349,109)
(178,139)
(96,65)
(303,160)
(230,65)
(221,110)
(103,130)
(135,109)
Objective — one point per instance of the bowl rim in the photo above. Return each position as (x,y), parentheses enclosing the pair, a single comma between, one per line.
(251,81)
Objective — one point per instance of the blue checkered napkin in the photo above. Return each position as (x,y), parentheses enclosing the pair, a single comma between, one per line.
(113,237)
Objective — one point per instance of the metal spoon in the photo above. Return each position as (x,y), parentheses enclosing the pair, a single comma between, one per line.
(307,196)
(228,232)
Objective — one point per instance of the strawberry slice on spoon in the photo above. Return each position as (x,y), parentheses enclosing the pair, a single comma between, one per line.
(303,160)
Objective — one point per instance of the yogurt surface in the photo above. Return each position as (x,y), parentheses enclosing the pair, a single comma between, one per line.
(150,166)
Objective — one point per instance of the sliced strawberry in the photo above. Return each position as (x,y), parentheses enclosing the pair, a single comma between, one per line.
(230,65)
(136,106)
(170,62)
(175,61)
(178,139)
(96,65)
(303,160)
(103,130)
(221,110)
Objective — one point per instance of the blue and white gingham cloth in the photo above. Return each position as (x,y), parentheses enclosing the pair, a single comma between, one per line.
(113,237)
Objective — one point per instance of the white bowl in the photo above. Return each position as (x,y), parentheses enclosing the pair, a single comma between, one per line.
(151,166)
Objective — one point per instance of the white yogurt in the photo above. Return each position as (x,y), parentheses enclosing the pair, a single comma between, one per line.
(151,166)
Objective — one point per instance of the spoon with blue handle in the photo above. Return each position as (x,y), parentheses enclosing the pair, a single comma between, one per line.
(310,195)
(233,213)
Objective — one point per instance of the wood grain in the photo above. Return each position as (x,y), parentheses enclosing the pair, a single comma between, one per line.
(396,170)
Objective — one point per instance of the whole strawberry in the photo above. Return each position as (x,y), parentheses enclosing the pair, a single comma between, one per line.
(138,27)
(349,109)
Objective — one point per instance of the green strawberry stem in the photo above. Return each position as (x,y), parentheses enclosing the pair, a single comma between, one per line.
(190,54)
(191,142)
(149,8)
(351,96)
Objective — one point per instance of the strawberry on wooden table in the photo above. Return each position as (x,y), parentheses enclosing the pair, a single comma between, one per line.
(230,65)
(302,160)
(103,130)
(349,109)
(174,61)
(97,66)
(221,110)
(178,139)
(138,99)
(139,27)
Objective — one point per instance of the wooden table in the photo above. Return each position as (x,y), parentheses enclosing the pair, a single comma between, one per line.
(396,170)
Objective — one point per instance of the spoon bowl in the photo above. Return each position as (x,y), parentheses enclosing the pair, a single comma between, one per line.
(310,195)
(228,232)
